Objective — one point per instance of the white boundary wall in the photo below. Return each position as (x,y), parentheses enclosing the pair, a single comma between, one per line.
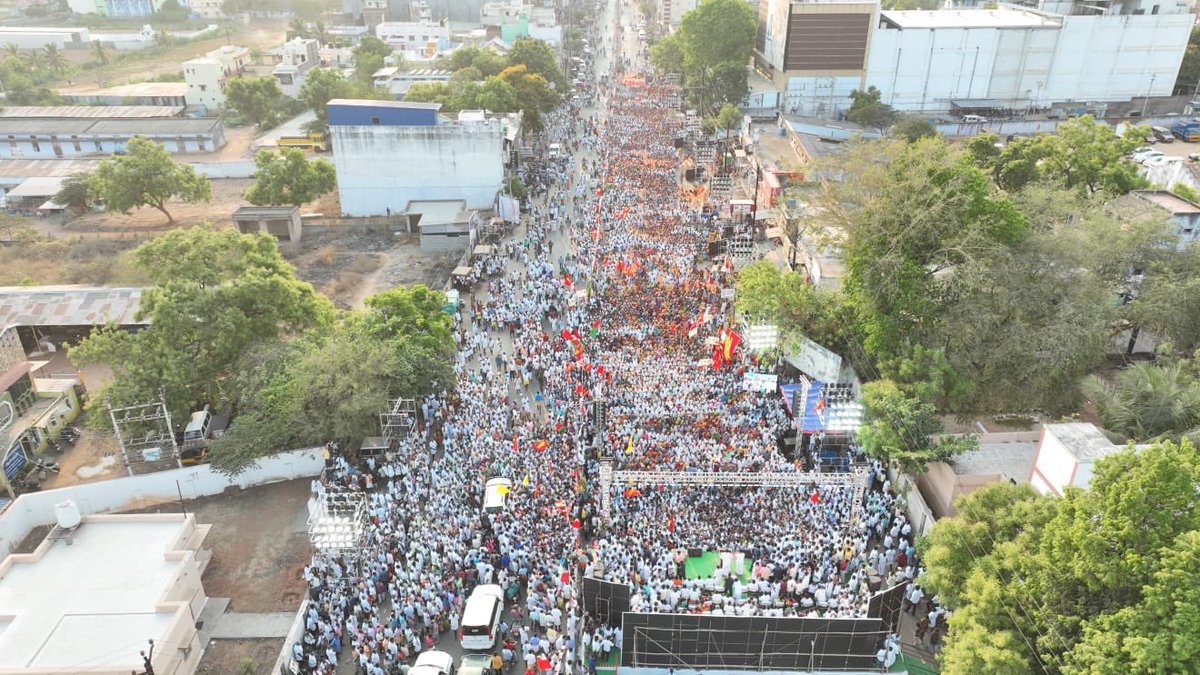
(122,494)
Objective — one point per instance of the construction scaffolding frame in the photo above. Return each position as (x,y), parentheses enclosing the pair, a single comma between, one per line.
(856,481)
(337,523)
(400,418)
(143,428)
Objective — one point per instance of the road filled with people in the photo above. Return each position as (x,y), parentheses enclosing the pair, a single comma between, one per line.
(601,293)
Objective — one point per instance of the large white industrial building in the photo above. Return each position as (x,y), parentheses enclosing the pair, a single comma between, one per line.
(390,153)
(1015,56)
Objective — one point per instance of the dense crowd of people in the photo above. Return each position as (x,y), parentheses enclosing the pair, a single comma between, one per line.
(601,292)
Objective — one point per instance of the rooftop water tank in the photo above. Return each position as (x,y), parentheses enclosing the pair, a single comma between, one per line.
(67,514)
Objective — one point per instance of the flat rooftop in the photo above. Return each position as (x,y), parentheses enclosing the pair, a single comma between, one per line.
(1170,201)
(120,126)
(68,306)
(91,604)
(1083,440)
(136,89)
(965,18)
(92,111)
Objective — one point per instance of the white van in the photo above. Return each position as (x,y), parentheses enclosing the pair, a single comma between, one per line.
(493,498)
(433,662)
(479,629)
(972,119)
(196,433)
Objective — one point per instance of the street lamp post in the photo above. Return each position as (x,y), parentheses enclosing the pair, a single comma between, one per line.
(1147,99)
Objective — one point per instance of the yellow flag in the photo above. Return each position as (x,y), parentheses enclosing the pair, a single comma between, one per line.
(525,483)
(629,447)
(502,489)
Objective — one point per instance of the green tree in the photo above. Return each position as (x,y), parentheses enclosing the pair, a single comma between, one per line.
(12,50)
(533,94)
(913,128)
(146,175)
(868,109)
(900,428)
(715,40)
(915,221)
(1076,584)
(666,55)
(729,117)
(369,56)
(1167,301)
(539,59)
(213,294)
(54,58)
(289,179)
(1186,191)
(258,98)
(76,192)
(984,149)
(1082,154)
(432,92)
(410,314)
(998,512)
(1155,635)
(1149,401)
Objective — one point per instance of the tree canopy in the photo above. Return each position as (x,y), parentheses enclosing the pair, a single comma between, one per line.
(1100,580)
(868,109)
(332,382)
(1081,155)
(213,293)
(258,98)
(711,50)
(288,178)
(1148,401)
(901,428)
(147,175)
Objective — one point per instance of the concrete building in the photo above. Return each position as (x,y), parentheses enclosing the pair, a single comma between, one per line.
(415,39)
(1066,456)
(37,38)
(521,19)
(300,55)
(90,596)
(281,222)
(119,8)
(398,82)
(206,76)
(670,12)
(32,137)
(1184,214)
(1014,57)
(390,153)
(207,9)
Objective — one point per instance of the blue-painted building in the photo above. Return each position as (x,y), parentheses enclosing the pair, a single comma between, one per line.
(359,112)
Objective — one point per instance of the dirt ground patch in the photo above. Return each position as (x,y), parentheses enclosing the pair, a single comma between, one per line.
(259,545)
(227,197)
(350,265)
(96,456)
(70,260)
(224,657)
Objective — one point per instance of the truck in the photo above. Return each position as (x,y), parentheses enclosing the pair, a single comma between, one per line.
(317,140)
(1187,130)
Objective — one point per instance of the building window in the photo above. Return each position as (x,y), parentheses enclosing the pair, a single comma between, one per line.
(374,120)
(75,142)
(36,146)
(99,147)
(204,87)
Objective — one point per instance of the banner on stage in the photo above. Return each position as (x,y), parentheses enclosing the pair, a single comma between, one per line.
(760,382)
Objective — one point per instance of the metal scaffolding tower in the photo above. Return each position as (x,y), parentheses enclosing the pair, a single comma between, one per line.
(144,432)
(400,418)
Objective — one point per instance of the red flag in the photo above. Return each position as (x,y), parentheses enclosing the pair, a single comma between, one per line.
(540,445)
(576,524)
(566,577)
(671,523)
(716,357)
(820,404)
(559,426)
(566,335)
(567,280)
(815,496)
(579,390)
(515,444)
(732,340)
(596,323)
(620,266)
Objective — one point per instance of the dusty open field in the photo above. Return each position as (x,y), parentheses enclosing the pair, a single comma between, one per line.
(226,198)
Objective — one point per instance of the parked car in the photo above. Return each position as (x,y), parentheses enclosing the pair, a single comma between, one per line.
(1144,157)
(474,664)
(433,662)
(1162,134)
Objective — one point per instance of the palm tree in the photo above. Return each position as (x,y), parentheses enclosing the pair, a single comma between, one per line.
(1148,401)
(34,58)
(320,32)
(99,53)
(55,59)
(11,49)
